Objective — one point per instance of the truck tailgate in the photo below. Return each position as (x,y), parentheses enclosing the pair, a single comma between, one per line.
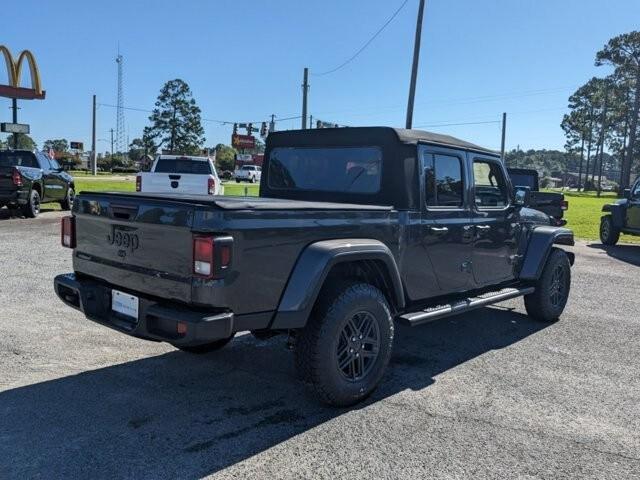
(174,183)
(143,246)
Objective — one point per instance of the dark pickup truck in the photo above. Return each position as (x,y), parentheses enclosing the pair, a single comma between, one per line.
(28,179)
(551,203)
(622,216)
(354,228)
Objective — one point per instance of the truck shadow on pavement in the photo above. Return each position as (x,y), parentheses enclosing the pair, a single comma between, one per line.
(180,415)
(625,253)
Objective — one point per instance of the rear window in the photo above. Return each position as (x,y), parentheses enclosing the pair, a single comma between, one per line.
(522,180)
(18,159)
(336,169)
(183,165)
(249,167)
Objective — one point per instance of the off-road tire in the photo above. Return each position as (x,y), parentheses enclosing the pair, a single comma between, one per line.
(552,289)
(316,350)
(609,235)
(67,203)
(207,347)
(32,207)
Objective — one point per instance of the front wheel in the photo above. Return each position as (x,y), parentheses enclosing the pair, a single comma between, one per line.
(609,234)
(548,300)
(207,347)
(67,203)
(345,348)
(253,179)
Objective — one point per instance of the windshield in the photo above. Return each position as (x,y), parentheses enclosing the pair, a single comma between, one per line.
(339,169)
(183,165)
(17,159)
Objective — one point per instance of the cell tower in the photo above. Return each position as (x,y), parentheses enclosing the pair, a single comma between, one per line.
(120,143)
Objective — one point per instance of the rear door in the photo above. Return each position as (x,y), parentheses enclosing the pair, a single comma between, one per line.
(447,232)
(633,209)
(495,222)
(54,185)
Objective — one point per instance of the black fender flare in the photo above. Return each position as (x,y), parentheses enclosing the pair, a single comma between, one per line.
(618,213)
(541,242)
(313,266)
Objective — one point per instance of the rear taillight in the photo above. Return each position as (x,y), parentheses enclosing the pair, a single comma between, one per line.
(68,232)
(203,251)
(564,205)
(211,255)
(138,183)
(16,177)
(211,186)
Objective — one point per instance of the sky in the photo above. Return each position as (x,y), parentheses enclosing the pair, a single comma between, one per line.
(244,61)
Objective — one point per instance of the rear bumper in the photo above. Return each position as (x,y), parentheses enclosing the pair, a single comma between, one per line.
(13,197)
(155,321)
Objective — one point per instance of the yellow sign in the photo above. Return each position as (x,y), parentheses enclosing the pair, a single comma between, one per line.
(14,73)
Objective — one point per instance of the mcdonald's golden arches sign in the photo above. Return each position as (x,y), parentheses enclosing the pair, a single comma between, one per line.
(14,73)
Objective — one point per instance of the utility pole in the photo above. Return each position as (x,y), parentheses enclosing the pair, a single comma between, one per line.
(504,132)
(94,164)
(14,106)
(414,68)
(310,121)
(272,124)
(112,144)
(305,90)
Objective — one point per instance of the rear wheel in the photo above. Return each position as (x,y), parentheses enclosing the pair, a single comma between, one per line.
(207,347)
(345,348)
(609,234)
(32,208)
(67,203)
(552,289)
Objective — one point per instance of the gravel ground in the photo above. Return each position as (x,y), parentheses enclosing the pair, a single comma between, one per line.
(491,394)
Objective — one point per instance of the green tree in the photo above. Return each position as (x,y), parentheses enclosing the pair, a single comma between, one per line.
(176,121)
(623,53)
(25,142)
(60,146)
(225,157)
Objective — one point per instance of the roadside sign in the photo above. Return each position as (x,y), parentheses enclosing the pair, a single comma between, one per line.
(243,141)
(76,146)
(244,157)
(14,128)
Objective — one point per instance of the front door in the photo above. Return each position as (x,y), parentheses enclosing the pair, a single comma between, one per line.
(633,208)
(495,223)
(447,232)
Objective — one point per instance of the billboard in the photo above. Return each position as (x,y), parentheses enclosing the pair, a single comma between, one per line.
(243,141)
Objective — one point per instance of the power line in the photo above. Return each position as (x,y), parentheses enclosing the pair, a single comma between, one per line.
(353,57)
(455,124)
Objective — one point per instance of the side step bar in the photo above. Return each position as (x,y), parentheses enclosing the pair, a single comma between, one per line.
(435,313)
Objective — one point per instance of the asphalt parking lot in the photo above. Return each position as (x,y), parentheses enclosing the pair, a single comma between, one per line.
(491,394)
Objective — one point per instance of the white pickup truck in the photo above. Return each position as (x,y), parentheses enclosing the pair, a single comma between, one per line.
(248,173)
(180,174)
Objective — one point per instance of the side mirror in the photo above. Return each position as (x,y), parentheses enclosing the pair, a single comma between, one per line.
(521,196)
(626,193)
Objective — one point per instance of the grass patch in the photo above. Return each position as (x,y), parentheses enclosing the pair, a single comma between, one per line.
(584,213)
(238,189)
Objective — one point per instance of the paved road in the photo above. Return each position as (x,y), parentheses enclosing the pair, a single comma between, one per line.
(491,394)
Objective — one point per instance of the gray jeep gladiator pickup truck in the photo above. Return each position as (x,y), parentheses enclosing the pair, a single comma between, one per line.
(623,216)
(354,228)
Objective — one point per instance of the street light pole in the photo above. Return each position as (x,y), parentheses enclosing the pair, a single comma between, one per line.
(414,68)
(305,90)
(94,161)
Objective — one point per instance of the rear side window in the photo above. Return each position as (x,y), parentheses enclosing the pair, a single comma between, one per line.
(183,165)
(333,169)
(443,180)
(490,185)
(18,159)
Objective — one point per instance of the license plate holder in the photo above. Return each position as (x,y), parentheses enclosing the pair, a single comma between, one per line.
(125,304)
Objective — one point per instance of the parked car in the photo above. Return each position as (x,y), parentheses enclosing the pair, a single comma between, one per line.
(622,216)
(354,228)
(227,175)
(180,174)
(248,173)
(28,179)
(551,203)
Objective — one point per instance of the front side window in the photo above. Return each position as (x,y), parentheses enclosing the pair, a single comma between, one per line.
(443,180)
(490,185)
(636,190)
(331,169)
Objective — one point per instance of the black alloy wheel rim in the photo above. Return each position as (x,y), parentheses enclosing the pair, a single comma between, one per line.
(557,289)
(35,204)
(358,346)
(604,229)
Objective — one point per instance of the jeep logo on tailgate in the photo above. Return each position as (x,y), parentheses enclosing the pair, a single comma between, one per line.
(124,237)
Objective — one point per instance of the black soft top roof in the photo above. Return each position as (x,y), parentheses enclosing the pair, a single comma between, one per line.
(403,135)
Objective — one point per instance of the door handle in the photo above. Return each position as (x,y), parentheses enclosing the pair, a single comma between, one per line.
(439,229)
(483,227)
